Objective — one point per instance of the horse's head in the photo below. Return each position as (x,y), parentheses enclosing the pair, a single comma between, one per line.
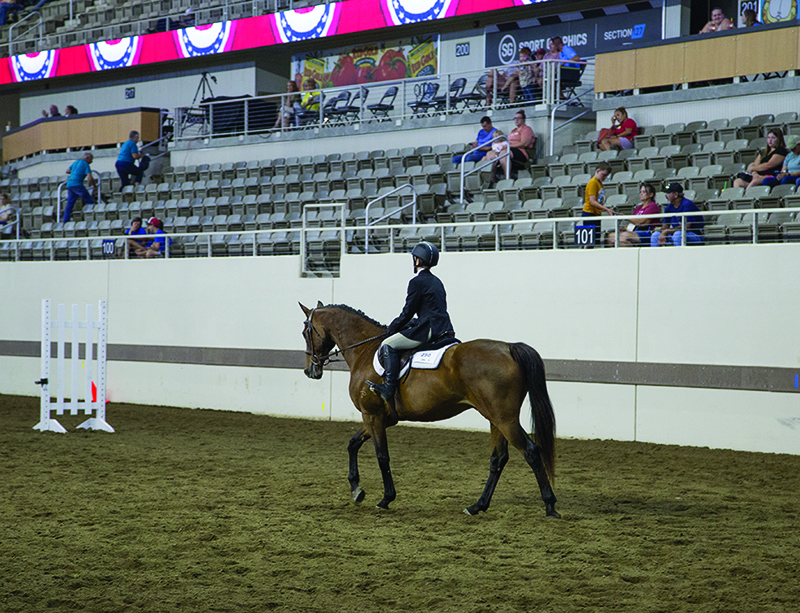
(318,342)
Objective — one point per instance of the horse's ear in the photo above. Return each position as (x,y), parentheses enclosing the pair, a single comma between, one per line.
(319,304)
(305,310)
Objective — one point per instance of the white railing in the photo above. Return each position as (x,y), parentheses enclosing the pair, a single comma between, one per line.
(483,163)
(560,227)
(261,115)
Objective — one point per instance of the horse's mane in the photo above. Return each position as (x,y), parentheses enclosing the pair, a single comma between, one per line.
(361,314)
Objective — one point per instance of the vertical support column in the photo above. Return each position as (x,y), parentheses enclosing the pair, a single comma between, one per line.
(45,423)
(75,346)
(88,362)
(98,422)
(60,357)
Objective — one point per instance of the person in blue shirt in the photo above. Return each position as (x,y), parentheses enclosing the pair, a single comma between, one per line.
(136,229)
(126,167)
(78,172)
(485,135)
(671,229)
(158,245)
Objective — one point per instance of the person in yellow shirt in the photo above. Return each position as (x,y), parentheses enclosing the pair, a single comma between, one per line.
(594,196)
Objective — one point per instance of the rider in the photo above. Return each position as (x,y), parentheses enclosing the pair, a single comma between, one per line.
(426,299)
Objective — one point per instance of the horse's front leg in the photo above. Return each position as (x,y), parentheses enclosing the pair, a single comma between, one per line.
(359,438)
(378,427)
(496,464)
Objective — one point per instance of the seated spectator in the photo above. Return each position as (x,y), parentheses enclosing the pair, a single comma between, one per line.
(750,19)
(135,230)
(768,162)
(639,229)
(286,115)
(125,164)
(621,133)
(671,228)
(790,173)
(594,196)
(6,214)
(718,23)
(308,108)
(78,172)
(520,140)
(186,21)
(536,69)
(7,6)
(53,112)
(560,51)
(485,136)
(70,110)
(156,246)
(512,80)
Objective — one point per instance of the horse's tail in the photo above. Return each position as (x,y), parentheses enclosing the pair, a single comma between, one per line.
(544,420)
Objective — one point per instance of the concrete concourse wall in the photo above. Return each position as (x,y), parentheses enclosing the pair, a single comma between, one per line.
(726,307)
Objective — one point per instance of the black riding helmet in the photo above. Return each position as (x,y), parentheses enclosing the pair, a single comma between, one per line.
(427,252)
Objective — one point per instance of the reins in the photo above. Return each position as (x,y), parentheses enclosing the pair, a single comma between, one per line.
(328,358)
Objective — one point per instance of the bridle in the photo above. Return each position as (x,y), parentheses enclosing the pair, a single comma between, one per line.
(323,360)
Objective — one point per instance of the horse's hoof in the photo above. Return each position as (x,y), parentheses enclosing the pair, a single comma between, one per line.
(358,495)
(382,505)
(553,514)
(473,510)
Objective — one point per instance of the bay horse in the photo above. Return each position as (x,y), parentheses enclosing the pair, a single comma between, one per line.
(490,376)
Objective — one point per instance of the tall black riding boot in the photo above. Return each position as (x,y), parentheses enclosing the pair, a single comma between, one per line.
(391,365)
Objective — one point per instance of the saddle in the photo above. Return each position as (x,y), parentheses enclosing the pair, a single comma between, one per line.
(425,357)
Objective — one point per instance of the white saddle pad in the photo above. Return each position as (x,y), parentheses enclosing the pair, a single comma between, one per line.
(425,360)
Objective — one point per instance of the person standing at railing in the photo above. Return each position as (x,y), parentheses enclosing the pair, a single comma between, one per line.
(125,165)
(485,136)
(671,229)
(286,113)
(78,172)
(718,23)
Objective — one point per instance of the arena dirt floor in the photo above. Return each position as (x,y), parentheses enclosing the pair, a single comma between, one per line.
(196,510)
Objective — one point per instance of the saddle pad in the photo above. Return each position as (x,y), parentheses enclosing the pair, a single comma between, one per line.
(426,360)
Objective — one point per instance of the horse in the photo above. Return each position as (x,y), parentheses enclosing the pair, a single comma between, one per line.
(490,376)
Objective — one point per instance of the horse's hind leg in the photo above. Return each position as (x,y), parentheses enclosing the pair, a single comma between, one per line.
(496,464)
(519,438)
(353,446)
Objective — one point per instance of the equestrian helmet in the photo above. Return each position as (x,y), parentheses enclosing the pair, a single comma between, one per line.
(427,252)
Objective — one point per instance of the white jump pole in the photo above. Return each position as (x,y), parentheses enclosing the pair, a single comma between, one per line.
(75,404)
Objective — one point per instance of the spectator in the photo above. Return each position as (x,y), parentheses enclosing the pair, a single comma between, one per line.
(512,79)
(125,162)
(135,230)
(6,6)
(594,196)
(622,132)
(538,73)
(521,140)
(156,246)
(70,110)
(671,228)
(6,213)
(638,228)
(286,115)
(560,51)
(790,173)
(186,21)
(485,136)
(53,112)
(750,19)
(308,107)
(768,162)
(718,23)
(78,172)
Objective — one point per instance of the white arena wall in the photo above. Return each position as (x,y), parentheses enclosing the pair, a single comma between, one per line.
(593,315)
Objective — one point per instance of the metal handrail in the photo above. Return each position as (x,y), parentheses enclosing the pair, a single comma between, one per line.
(439,226)
(485,163)
(413,204)
(19,23)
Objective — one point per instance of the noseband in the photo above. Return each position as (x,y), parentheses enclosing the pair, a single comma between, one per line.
(322,360)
